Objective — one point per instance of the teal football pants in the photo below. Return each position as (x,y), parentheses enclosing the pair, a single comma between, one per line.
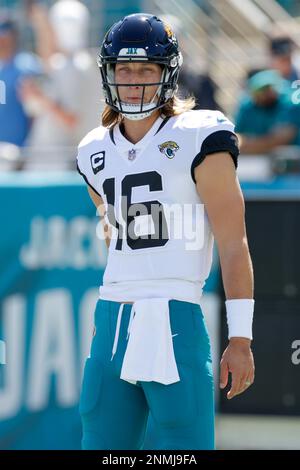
(115,413)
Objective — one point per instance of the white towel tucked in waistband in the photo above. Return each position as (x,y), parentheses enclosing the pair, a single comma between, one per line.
(149,354)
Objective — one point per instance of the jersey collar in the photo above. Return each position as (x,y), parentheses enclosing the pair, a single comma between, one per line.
(125,145)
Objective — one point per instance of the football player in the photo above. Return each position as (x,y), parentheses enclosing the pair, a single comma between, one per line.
(155,163)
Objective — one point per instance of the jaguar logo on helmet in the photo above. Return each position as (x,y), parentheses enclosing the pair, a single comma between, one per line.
(168,30)
(169,148)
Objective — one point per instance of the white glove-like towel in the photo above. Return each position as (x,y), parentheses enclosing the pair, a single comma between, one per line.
(149,354)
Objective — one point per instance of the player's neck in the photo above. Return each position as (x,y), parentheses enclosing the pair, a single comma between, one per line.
(134,131)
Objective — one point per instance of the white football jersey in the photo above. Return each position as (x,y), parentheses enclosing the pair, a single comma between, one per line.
(162,242)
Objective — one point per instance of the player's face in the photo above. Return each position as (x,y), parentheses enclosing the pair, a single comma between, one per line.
(144,73)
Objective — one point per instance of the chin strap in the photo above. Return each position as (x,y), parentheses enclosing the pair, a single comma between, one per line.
(131,108)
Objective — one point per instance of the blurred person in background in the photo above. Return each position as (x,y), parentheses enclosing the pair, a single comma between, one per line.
(70,102)
(16,67)
(201,86)
(282,51)
(190,82)
(288,5)
(266,117)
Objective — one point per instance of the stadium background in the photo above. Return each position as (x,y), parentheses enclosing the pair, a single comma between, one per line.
(51,261)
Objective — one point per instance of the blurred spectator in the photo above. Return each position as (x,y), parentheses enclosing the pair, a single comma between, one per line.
(191,83)
(201,86)
(15,67)
(288,5)
(252,72)
(70,101)
(281,53)
(266,117)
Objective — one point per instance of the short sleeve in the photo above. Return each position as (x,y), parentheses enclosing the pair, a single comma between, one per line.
(90,162)
(217,136)
(85,177)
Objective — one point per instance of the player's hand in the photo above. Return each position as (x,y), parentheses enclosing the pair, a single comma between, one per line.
(238,360)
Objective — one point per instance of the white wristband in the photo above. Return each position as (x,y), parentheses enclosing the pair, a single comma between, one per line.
(240,317)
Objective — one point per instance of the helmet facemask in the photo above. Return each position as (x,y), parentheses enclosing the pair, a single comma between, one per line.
(165,91)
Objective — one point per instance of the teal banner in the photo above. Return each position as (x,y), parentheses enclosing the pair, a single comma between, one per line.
(51,264)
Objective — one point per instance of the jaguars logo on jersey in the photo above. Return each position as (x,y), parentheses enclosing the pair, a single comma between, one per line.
(169,148)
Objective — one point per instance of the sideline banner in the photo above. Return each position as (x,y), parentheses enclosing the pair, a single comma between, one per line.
(51,265)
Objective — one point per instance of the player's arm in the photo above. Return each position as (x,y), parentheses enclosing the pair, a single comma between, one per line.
(98,201)
(220,192)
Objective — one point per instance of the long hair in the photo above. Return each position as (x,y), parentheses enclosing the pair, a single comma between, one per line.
(173,107)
